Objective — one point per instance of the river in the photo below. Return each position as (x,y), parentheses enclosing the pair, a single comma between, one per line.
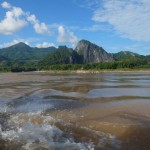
(72,111)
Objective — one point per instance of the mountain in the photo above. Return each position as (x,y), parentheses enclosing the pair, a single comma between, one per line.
(62,55)
(22,57)
(22,52)
(126,55)
(4,61)
(2,58)
(85,52)
(19,51)
(92,53)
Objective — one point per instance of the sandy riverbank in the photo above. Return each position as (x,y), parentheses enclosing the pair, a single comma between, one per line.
(90,71)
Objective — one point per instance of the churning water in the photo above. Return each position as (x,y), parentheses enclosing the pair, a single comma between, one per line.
(74,111)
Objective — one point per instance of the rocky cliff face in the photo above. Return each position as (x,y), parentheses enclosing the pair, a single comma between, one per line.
(92,53)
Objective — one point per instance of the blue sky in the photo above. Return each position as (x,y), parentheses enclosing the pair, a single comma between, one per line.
(116,25)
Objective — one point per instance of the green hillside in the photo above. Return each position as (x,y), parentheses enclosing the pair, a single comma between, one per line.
(22,53)
(21,57)
(62,55)
(126,55)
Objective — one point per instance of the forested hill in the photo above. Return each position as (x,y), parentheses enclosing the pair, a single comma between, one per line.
(126,55)
(22,52)
(85,52)
(62,55)
(86,55)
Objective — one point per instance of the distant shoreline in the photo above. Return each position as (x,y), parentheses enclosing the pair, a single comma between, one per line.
(90,71)
(82,71)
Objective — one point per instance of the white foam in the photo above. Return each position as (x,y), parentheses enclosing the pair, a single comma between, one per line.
(45,136)
(33,135)
(109,139)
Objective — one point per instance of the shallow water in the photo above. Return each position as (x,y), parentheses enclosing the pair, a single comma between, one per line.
(103,111)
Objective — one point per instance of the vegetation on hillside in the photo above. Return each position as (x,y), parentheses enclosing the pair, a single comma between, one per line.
(21,57)
(62,55)
(125,64)
(22,53)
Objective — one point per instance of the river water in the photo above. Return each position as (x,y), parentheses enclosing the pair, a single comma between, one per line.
(70,111)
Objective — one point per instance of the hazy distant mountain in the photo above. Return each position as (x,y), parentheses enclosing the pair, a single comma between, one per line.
(124,55)
(92,53)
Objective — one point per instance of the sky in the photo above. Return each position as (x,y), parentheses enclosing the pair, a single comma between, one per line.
(115,25)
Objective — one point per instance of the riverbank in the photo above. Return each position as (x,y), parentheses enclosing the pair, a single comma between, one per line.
(94,71)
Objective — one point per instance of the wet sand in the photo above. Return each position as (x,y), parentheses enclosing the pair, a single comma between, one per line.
(78,111)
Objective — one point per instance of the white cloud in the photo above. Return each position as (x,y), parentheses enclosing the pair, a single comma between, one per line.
(40,28)
(62,37)
(65,35)
(12,21)
(45,45)
(32,19)
(6,5)
(16,11)
(16,19)
(4,45)
(130,18)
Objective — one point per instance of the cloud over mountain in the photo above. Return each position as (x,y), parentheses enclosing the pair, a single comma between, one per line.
(45,45)
(65,35)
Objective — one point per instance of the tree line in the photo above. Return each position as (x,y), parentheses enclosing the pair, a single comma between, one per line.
(125,64)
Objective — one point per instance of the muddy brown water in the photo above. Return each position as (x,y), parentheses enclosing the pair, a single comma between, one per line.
(70,111)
